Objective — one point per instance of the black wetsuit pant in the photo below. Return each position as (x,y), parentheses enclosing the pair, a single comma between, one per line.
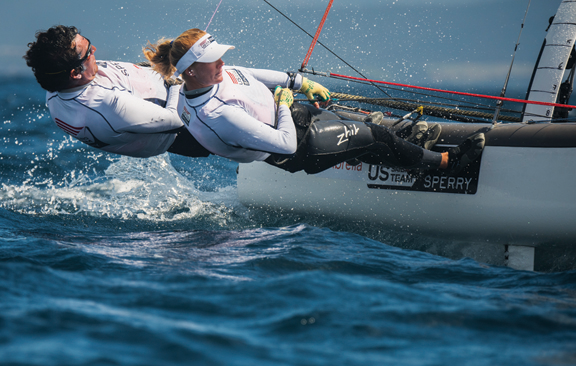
(324,140)
(186,145)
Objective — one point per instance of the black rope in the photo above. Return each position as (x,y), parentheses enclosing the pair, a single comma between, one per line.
(476,104)
(442,112)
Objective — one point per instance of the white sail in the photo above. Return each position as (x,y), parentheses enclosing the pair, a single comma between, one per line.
(550,70)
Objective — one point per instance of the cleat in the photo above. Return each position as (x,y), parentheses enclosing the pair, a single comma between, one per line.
(463,154)
(375,117)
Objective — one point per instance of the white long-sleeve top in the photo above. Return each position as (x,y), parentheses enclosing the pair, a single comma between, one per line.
(121,111)
(236,118)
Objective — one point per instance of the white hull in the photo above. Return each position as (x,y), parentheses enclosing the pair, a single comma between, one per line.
(525,195)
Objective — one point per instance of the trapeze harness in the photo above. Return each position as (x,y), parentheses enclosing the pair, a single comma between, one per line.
(125,110)
(235,119)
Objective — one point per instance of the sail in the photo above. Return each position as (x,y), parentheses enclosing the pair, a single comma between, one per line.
(550,69)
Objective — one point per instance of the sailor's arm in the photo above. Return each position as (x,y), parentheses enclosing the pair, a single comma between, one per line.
(293,81)
(137,115)
(245,131)
(272,78)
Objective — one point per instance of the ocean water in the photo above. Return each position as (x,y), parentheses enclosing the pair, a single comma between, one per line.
(108,260)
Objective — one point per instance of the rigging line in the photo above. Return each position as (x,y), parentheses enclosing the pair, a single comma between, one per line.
(477,107)
(460,93)
(213,16)
(416,93)
(503,92)
(453,114)
(325,47)
(419,102)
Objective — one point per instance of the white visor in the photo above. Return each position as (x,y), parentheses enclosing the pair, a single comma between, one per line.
(206,50)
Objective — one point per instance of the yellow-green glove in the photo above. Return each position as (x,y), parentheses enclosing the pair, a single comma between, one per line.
(311,88)
(283,96)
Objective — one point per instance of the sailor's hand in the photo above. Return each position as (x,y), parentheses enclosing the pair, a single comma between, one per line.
(312,89)
(283,96)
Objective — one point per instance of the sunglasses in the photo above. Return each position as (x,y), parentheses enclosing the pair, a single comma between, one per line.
(88,52)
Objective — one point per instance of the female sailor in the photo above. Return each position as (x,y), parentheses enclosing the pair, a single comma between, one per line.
(232,112)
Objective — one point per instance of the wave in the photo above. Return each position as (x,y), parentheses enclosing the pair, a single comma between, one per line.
(129,188)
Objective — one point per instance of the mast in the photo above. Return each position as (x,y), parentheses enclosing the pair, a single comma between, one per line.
(552,63)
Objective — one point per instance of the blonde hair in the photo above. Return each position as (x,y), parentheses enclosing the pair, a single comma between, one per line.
(165,53)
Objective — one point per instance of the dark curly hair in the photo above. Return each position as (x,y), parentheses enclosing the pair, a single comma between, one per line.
(53,56)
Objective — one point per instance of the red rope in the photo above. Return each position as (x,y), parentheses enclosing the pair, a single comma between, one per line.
(458,93)
(315,39)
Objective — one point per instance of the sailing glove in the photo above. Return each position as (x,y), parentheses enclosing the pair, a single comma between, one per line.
(283,96)
(311,88)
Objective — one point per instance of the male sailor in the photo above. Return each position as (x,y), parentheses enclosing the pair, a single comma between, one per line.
(117,107)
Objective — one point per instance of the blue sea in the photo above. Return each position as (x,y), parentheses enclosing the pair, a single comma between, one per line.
(108,260)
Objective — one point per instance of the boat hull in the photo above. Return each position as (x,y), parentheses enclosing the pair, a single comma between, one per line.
(525,191)
(521,198)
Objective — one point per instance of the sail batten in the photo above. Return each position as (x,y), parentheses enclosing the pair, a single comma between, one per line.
(552,65)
